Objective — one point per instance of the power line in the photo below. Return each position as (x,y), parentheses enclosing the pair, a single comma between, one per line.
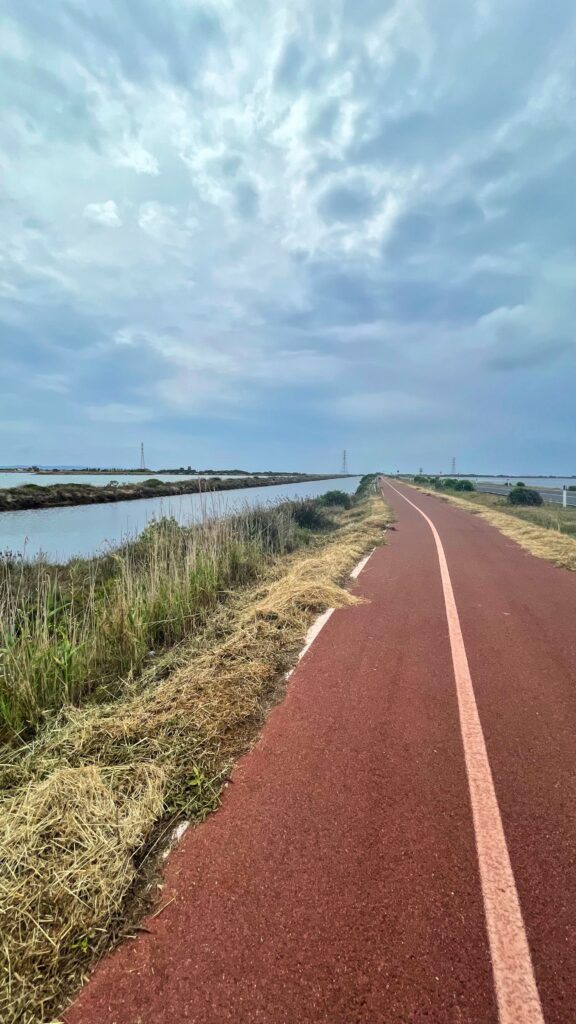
(453,465)
(344,461)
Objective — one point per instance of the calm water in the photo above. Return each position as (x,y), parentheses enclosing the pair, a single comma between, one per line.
(61,533)
(100,479)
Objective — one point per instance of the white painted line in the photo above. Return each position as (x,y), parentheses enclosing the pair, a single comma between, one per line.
(314,630)
(516,993)
(311,635)
(363,561)
(322,619)
(175,837)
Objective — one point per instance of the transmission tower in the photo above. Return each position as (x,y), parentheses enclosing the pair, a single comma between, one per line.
(142,459)
(453,465)
(344,462)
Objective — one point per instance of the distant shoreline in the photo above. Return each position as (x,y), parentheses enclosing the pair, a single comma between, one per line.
(180,471)
(28,497)
(495,476)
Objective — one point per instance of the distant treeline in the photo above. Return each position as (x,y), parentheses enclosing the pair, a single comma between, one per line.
(176,470)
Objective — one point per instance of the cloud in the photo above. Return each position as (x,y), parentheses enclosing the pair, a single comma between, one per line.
(103,213)
(513,340)
(391,405)
(290,65)
(247,200)
(116,412)
(57,382)
(346,202)
(325,217)
(132,154)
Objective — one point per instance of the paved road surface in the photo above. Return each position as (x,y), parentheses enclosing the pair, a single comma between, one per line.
(339,882)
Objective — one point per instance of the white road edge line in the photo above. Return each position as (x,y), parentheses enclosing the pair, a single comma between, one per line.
(311,635)
(363,561)
(175,837)
(322,619)
(516,992)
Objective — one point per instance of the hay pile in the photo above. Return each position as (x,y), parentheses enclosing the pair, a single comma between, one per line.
(67,846)
(82,803)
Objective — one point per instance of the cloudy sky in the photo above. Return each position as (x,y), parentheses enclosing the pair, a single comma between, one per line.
(255,234)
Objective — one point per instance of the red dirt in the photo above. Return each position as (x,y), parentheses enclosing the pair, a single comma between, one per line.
(339,882)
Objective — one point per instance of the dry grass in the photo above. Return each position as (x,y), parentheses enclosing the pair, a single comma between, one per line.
(83,803)
(69,843)
(547,542)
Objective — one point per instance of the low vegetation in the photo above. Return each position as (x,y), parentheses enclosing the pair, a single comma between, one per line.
(68,633)
(522,495)
(367,485)
(35,496)
(89,802)
(444,483)
(547,531)
(336,499)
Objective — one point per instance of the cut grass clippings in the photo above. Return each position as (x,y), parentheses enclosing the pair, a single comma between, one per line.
(86,803)
(522,525)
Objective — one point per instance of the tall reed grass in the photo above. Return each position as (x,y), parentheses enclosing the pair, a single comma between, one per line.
(70,633)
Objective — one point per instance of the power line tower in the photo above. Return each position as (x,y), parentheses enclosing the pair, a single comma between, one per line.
(344,462)
(453,465)
(142,459)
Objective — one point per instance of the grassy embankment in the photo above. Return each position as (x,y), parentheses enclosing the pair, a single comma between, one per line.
(131,745)
(35,496)
(547,531)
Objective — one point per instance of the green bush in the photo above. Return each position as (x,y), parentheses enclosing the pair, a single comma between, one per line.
(308,514)
(366,485)
(520,484)
(450,483)
(333,498)
(524,496)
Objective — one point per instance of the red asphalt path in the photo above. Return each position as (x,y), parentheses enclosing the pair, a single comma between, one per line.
(339,881)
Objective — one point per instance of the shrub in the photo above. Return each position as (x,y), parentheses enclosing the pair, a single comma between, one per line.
(451,483)
(524,496)
(308,514)
(366,485)
(339,498)
(520,484)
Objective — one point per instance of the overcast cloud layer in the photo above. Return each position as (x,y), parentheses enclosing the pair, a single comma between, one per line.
(256,234)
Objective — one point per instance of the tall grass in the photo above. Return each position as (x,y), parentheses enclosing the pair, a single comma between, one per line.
(70,633)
